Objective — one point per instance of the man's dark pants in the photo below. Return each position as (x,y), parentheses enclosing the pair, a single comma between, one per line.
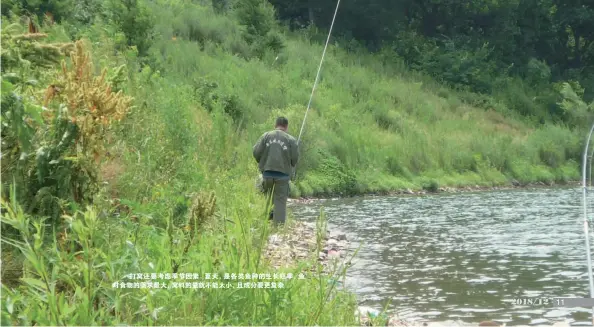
(276,187)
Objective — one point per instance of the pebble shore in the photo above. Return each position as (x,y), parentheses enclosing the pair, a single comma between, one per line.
(301,243)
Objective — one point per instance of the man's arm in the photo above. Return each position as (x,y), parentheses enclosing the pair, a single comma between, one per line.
(259,148)
(294,153)
(294,158)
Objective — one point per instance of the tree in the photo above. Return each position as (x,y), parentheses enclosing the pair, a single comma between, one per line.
(134,19)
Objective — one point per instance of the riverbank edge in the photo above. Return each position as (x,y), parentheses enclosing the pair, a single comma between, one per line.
(440,190)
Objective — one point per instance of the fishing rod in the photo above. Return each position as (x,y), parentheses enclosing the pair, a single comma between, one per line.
(586,223)
(318,74)
(313,89)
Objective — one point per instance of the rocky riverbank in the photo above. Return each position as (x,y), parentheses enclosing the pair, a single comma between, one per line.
(462,189)
(301,241)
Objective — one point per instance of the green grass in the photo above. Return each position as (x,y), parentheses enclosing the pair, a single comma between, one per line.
(367,117)
(201,100)
(62,286)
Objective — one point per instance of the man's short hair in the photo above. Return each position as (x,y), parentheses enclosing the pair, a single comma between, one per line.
(282,121)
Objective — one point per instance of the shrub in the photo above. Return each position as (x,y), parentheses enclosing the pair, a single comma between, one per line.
(431,185)
(259,22)
(134,19)
(68,135)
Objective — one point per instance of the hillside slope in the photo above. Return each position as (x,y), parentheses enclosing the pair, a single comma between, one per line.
(373,126)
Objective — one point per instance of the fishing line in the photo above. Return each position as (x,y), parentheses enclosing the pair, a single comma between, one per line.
(318,74)
(590,158)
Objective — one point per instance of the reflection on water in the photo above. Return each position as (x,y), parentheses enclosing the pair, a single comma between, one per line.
(466,256)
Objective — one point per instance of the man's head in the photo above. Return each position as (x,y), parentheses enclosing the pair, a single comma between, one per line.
(282,123)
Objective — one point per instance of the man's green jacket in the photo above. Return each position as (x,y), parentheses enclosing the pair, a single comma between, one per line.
(276,151)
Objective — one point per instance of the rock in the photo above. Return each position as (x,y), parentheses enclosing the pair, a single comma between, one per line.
(489,323)
(393,321)
(333,254)
(342,244)
(332,242)
(409,191)
(341,237)
(274,239)
(300,243)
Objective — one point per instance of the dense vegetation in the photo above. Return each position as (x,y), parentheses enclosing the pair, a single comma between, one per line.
(127,129)
(514,50)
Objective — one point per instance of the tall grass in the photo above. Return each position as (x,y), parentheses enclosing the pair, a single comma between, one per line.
(73,284)
(365,119)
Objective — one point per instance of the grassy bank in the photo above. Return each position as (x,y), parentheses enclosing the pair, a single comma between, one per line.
(374,126)
(159,178)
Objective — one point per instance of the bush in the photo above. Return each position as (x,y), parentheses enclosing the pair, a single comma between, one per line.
(576,111)
(538,72)
(134,19)
(430,185)
(54,149)
(259,22)
(396,168)
(210,97)
(331,177)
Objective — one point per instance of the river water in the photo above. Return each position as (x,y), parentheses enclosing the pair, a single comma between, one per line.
(465,256)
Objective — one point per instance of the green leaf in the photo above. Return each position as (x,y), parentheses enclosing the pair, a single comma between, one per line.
(7,87)
(34,112)
(32,82)
(9,305)
(36,283)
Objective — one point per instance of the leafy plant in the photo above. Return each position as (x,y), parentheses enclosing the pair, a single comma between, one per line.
(572,104)
(134,19)
(53,147)
(203,208)
(258,19)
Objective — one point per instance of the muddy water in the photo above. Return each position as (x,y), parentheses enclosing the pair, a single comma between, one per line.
(465,256)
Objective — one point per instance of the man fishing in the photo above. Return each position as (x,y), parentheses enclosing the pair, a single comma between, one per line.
(277,154)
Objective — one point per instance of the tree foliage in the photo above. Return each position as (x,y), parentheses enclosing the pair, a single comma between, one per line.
(478,45)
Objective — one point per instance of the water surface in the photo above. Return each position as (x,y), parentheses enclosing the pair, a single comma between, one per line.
(465,256)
